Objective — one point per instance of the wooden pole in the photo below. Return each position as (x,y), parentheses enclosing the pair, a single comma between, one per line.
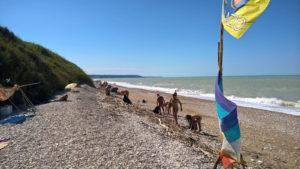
(220,62)
(220,53)
(216,163)
(30,84)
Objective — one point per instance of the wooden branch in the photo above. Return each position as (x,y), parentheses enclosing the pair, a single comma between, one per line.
(221,50)
(162,124)
(169,130)
(29,84)
(216,163)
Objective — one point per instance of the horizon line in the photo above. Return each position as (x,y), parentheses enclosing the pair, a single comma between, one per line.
(187,76)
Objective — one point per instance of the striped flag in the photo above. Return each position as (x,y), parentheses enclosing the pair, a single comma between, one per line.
(229,125)
(238,15)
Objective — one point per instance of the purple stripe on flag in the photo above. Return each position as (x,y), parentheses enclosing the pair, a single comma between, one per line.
(229,121)
(222,101)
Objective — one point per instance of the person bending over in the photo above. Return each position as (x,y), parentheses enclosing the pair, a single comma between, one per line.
(194,121)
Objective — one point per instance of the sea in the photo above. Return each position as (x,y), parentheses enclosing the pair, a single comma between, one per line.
(274,93)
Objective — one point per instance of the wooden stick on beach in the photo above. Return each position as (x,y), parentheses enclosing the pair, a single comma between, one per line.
(29,84)
(217,162)
(220,51)
(220,65)
(220,62)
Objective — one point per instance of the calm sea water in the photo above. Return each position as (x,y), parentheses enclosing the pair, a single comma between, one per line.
(276,93)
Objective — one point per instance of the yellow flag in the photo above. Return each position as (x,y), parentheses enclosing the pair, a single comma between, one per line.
(238,15)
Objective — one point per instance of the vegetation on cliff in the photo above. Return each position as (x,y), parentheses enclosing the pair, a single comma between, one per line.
(24,62)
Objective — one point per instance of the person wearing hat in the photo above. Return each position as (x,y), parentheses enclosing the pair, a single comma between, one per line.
(160,102)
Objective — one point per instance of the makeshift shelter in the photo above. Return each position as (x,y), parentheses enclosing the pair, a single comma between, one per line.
(6,94)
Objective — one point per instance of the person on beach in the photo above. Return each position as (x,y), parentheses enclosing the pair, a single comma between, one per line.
(194,121)
(104,84)
(160,102)
(107,90)
(114,90)
(156,110)
(174,101)
(126,99)
(124,92)
(168,106)
(100,84)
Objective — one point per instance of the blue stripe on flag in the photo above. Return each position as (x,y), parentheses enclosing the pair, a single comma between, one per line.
(219,97)
(229,121)
(221,112)
(233,134)
(227,113)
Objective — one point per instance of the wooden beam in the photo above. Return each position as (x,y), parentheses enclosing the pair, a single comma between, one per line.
(30,84)
(220,56)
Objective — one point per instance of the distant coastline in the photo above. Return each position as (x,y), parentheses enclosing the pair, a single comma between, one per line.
(116,76)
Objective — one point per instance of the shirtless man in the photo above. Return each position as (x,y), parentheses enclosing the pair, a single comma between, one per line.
(174,100)
(160,102)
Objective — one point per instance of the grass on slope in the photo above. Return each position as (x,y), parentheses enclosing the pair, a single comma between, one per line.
(23,63)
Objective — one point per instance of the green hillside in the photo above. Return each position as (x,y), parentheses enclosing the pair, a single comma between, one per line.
(23,63)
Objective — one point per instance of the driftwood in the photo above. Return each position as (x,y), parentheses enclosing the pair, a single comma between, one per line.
(169,130)
(29,84)
(62,98)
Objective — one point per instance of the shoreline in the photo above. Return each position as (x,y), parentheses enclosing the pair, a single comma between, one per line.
(268,136)
(94,130)
(240,101)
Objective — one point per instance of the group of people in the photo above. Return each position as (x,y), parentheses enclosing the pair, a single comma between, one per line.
(108,88)
(173,103)
(194,120)
(162,106)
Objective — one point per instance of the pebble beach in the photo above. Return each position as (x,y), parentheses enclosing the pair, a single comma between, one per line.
(92,130)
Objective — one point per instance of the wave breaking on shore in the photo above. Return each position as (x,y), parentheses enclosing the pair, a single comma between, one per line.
(271,104)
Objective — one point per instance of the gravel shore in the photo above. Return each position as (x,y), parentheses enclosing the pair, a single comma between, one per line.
(269,139)
(92,130)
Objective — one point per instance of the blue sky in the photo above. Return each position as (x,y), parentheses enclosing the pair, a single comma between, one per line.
(157,37)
